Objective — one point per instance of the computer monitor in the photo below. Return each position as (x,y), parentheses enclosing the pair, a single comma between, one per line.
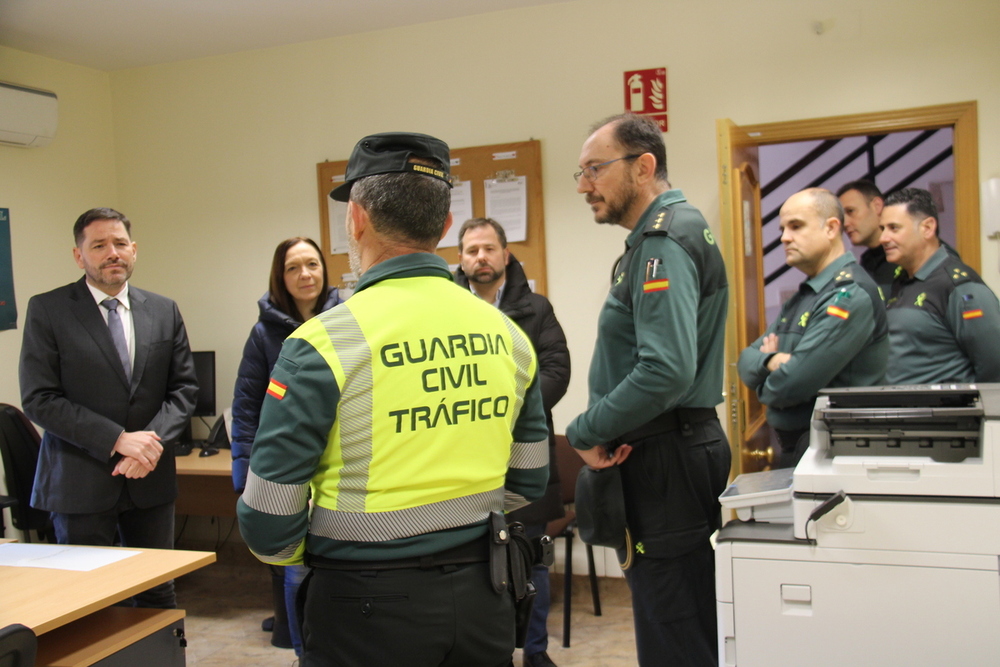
(204,369)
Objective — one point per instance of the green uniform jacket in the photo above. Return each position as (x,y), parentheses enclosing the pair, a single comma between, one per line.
(407,414)
(883,272)
(661,332)
(944,325)
(835,329)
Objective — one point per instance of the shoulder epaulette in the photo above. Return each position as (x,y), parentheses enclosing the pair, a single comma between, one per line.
(844,276)
(659,223)
(960,273)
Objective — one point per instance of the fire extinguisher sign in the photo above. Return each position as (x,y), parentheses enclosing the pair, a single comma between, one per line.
(646,94)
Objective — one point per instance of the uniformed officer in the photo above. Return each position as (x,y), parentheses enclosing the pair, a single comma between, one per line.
(862,202)
(655,379)
(408,413)
(943,320)
(831,333)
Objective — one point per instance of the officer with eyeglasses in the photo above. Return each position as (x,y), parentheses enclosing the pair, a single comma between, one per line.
(655,379)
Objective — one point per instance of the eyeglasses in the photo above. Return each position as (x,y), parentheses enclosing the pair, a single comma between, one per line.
(594,170)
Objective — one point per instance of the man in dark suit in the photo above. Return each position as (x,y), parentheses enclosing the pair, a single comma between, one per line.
(106,370)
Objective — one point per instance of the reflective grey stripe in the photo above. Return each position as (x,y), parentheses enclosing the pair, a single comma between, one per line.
(384,526)
(274,498)
(529,454)
(354,411)
(513,501)
(282,555)
(522,354)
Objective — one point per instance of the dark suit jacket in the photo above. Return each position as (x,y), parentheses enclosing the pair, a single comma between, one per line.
(73,385)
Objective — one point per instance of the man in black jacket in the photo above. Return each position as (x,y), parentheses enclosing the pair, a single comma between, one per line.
(495,275)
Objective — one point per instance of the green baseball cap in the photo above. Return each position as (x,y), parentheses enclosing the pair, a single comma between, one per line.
(392,152)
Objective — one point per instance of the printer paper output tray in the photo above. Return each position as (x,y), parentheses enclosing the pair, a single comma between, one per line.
(915,441)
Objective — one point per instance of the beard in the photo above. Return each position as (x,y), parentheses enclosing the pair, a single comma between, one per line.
(617,210)
(485,278)
(354,256)
(99,278)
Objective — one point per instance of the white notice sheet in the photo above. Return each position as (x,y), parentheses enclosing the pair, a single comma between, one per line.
(507,203)
(461,210)
(338,215)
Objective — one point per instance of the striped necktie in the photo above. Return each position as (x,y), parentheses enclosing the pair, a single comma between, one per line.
(118,335)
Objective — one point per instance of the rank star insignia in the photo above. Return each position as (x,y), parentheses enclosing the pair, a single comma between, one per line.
(659,220)
(844,275)
(919,303)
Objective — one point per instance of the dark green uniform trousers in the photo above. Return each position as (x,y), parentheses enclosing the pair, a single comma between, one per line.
(447,615)
(672,482)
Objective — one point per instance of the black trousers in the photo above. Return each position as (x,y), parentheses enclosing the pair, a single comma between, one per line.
(139,527)
(793,446)
(446,616)
(672,482)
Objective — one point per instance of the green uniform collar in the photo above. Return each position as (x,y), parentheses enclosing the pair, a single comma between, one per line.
(405,266)
(932,263)
(666,199)
(826,275)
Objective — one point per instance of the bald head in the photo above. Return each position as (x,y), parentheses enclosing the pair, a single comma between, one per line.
(826,203)
(811,223)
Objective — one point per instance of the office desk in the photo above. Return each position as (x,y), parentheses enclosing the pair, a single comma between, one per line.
(205,485)
(71,611)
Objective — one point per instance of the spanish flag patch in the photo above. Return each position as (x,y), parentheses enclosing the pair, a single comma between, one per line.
(972,314)
(656,285)
(276,389)
(838,312)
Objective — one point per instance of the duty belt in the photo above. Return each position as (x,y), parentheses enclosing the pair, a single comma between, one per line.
(665,423)
(476,551)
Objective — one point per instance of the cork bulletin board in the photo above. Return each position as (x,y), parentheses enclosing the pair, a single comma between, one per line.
(477,165)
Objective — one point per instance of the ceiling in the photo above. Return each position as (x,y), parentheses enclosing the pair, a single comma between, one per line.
(121,34)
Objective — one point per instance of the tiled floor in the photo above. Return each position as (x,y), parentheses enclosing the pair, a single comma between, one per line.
(226,602)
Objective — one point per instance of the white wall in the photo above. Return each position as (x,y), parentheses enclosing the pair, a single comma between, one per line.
(214,159)
(47,188)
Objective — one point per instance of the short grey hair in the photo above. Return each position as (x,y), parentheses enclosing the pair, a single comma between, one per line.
(405,206)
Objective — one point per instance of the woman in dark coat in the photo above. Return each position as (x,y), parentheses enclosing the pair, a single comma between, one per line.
(298,290)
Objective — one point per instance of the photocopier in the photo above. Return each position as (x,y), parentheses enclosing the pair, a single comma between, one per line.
(881,548)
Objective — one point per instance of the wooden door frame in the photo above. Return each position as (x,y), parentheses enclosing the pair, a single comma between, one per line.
(961,116)
(737,152)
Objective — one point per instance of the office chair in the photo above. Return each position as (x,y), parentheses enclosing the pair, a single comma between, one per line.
(18,646)
(569,463)
(5,502)
(19,443)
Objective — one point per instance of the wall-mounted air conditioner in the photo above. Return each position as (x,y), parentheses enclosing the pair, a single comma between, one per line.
(28,116)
